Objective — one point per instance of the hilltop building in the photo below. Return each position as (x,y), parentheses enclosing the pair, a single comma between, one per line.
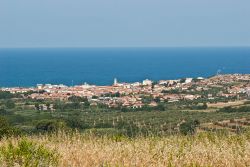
(147,82)
(188,80)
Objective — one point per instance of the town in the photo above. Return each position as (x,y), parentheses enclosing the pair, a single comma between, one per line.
(218,88)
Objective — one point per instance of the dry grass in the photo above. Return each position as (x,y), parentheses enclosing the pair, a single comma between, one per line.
(227,104)
(204,149)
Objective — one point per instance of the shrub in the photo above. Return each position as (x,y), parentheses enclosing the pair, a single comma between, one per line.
(27,153)
(50,125)
(6,130)
(6,95)
(76,123)
(10,104)
(9,131)
(5,112)
(3,123)
(240,109)
(160,107)
(189,127)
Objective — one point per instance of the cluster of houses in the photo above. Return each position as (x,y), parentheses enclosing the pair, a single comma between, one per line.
(133,94)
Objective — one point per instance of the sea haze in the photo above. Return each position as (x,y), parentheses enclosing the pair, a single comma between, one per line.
(28,67)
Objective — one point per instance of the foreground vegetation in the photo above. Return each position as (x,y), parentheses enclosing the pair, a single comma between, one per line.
(77,149)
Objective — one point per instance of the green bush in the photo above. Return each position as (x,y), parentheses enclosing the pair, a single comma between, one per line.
(5,112)
(76,123)
(3,123)
(10,131)
(50,125)
(10,104)
(6,130)
(231,109)
(189,128)
(6,95)
(27,154)
(199,107)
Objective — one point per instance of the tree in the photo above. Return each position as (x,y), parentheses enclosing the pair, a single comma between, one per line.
(157,99)
(160,107)
(5,112)
(183,80)
(10,104)
(37,106)
(153,84)
(189,128)
(48,106)
(147,99)
(76,123)
(6,95)
(117,94)
(50,125)
(94,97)
(205,106)
(86,104)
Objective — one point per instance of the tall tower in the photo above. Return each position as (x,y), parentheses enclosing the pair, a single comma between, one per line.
(115,81)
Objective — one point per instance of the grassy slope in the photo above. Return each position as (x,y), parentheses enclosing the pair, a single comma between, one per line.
(204,149)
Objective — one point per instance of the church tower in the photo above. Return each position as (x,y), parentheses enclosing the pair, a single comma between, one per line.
(115,81)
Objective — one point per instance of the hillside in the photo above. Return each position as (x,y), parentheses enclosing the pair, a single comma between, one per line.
(204,149)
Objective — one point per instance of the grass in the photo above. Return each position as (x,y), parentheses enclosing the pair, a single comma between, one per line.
(203,149)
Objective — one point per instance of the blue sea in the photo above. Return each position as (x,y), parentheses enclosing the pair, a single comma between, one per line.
(28,67)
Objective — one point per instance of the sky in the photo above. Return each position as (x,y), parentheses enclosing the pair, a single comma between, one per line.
(124,23)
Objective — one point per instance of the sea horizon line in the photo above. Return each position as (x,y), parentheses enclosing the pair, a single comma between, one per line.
(120,47)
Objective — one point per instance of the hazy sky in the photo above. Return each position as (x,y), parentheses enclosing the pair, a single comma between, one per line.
(103,23)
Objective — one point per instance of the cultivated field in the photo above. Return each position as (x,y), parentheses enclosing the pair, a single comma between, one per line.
(226,104)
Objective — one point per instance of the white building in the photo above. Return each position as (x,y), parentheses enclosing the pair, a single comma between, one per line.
(136,84)
(48,86)
(147,82)
(39,86)
(188,80)
(248,92)
(85,85)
